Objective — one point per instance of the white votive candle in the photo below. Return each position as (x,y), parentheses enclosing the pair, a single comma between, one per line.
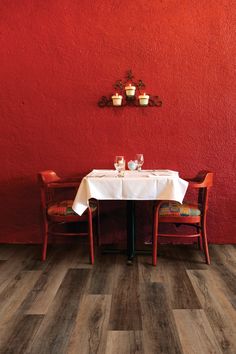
(130,90)
(116,100)
(143,99)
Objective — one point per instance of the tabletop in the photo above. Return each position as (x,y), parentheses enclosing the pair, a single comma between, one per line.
(135,185)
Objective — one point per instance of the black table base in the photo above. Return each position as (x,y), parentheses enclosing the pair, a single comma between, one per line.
(131,252)
(130,231)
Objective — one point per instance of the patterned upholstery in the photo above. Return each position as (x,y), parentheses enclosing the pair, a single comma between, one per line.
(176,209)
(64,208)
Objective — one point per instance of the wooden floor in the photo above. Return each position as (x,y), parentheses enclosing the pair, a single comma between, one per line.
(67,306)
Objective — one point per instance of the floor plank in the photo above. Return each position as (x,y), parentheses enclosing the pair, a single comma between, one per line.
(124,342)
(190,256)
(146,271)
(24,332)
(103,275)
(42,295)
(223,254)
(16,262)
(11,299)
(159,329)
(56,328)
(195,332)
(90,331)
(171,272)
(224,265)
(125,308)
(219,311)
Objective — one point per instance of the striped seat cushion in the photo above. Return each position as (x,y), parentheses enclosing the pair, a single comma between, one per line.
(171,208)
(64,208)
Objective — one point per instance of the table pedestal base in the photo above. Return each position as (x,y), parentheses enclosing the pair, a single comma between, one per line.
(130,231)
(131,252)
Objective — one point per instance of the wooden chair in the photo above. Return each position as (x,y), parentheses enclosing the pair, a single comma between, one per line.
(58,213)
(188,213)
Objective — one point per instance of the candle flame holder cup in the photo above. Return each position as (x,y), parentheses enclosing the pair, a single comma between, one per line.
(117,100)
(130,90)
(143,100)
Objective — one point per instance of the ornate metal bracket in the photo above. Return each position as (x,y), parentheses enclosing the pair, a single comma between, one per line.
(131,101)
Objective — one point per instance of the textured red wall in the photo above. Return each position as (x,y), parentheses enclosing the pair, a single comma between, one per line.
(59,57)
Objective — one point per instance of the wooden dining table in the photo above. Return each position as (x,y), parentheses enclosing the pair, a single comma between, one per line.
(133,186)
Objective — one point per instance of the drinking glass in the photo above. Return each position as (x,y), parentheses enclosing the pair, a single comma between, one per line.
(120,165)
(140,161)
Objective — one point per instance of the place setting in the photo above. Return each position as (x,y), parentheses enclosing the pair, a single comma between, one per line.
(135,168)
(133,165)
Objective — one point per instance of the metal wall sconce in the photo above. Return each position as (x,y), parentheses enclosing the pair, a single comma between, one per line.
(126,95)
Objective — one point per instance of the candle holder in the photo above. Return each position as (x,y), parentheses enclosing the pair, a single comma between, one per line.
(117,100)
(130,90)
(126,95)
(143,99)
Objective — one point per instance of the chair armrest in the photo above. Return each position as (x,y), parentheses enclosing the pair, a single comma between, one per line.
(194,184)
(188,179)
(204,179)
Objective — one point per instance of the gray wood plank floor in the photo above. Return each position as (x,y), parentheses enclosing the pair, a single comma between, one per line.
(65,305)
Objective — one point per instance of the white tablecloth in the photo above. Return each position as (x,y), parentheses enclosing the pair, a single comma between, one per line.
(135,185)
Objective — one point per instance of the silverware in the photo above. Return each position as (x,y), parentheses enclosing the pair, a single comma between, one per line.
(99,176)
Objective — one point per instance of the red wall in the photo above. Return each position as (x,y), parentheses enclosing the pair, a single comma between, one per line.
(59,57)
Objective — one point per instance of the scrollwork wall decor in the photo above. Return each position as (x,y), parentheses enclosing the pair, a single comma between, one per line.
(126,94)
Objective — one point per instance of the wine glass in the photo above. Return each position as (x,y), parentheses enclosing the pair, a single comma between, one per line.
(120,165)
(140,161)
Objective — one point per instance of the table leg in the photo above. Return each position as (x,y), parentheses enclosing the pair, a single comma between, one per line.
(130,230)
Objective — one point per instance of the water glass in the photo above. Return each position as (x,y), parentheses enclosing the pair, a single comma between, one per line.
(120,165)
(139,160)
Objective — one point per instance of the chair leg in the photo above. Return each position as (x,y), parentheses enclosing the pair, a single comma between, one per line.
(90,226)
(204,235)
(45,242)
(155,237)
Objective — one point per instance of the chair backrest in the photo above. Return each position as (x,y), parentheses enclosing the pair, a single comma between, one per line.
(48,176)
(45,178)
(54,188)
(203,181)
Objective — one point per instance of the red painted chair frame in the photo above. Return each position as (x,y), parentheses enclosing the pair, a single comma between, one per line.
(49,182)
(202,182)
